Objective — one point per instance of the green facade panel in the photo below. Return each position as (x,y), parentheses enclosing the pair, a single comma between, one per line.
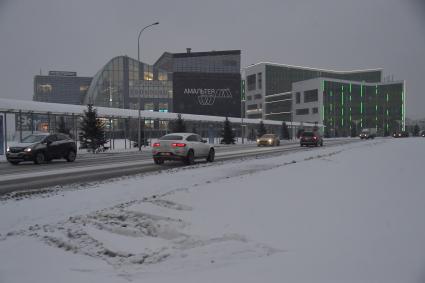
(349,107)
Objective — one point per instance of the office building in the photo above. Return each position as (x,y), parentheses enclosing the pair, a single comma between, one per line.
(61,87)
(301,94)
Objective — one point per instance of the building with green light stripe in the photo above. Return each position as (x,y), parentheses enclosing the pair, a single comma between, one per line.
(345,107)
(342,101)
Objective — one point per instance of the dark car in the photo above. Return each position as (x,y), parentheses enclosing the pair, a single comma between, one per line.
(402,134)
(311,138)
(423,134)
(41,148)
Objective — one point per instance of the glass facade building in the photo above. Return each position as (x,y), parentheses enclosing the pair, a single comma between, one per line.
(124,82)
(345,107)
(349,105)
(193,83)
(61,87)
(269,87)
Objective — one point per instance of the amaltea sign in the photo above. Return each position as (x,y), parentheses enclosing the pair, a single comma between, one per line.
(207,96)
(215,94)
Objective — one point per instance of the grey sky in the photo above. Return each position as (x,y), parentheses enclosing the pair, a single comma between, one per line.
(82,35)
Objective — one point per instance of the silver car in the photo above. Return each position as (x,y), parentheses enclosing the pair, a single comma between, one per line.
(182,146)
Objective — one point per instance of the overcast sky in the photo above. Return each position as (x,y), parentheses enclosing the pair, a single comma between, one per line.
(82,35)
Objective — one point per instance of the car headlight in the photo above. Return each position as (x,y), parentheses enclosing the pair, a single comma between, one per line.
(270,140)
(258,140)
(8,149)
(28,149)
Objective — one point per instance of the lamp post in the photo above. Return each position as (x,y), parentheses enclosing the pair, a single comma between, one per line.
(139,142)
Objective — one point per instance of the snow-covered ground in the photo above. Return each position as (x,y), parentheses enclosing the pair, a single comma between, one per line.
(352,213)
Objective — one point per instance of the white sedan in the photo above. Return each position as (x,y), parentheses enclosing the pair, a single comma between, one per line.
(182,146)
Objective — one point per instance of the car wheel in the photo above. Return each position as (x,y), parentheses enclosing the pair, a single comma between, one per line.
(301,145)
(39,158)
(321,143)
(14,162)
(158,161)
(190,158)
(70,157)
(211,155)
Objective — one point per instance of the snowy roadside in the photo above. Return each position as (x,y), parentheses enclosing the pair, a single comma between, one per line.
(341,213)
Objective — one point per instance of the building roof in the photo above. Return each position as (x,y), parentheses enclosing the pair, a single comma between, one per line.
(312,69)
(208,53)
(27,106)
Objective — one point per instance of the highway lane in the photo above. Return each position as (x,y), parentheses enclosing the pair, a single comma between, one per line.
(104,166)
(88,159)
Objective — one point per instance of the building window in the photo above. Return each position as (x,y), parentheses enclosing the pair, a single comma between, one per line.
(311,95)
(149,124)
(251,82)
(162,76)
(315,110)
(149,106)
(260,80)
(163,107)
(84,89)
(304,111)
(298,98)
(252,107)
(257,96)
(255,116)
(44,88)
(249,97)
(163,125)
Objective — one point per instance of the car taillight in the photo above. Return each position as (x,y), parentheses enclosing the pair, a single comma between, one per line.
(314,138)
(157,144)
(178,144)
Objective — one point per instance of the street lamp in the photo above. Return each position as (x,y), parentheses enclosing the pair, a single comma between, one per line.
(139,142)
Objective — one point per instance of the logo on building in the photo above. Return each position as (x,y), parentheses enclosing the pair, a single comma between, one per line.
(207,96)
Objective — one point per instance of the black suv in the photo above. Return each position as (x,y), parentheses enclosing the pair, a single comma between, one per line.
(41,148)
(311,138)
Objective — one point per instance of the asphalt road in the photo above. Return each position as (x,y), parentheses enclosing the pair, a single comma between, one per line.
(94,167)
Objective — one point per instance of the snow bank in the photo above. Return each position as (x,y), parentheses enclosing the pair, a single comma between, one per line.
(349,213)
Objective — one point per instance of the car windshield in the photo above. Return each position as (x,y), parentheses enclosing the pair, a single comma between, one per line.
(268,136)
(308,134)
(33,138)
(171,138)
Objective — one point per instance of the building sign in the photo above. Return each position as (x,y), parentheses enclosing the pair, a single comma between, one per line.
(62,73)
(213,94)
(150,89)
(2,137)
(208,96)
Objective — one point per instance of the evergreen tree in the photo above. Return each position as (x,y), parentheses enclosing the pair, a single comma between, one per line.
(92,135)
(416,130)
(178,125)
(61,128)
(284,131)
(228,135)
(261,130)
